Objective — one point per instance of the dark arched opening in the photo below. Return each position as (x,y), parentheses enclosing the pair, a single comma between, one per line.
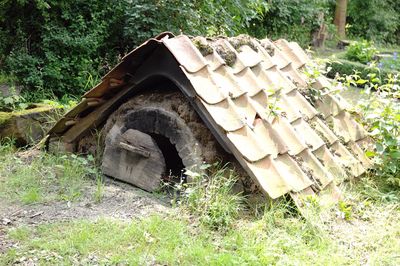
(173,162)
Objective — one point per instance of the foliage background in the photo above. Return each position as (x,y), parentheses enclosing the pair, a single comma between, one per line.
(377,20)
(62,47)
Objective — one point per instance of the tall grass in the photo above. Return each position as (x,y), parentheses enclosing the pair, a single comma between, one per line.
(209,196)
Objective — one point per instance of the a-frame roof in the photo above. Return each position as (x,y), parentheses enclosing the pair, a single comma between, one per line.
(253,95)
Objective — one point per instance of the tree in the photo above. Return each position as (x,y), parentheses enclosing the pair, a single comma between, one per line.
(340,17)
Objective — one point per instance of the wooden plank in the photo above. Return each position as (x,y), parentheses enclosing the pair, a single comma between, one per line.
(71,122)
(144,172)
(95,117)
(133,149)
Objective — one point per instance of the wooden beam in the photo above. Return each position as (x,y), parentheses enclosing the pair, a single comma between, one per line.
(95,117)
(133,149)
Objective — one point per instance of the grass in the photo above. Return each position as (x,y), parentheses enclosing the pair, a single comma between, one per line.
(172,241)
(41,177)
(277,237)
(210,226)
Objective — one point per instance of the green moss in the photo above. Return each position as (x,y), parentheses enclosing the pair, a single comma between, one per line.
(5,117)
(242,40)
(269,48)
(227,55)
(37,109)
(204,48)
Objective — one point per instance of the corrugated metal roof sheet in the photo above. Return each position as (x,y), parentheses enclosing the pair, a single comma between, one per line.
(251,89)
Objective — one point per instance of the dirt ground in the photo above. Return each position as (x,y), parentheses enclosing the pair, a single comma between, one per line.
(119,201)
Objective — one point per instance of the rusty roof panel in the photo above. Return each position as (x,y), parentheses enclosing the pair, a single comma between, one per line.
(321,83)
(274,144)
(225,115)
(286,132)
(281,101)
(249,145)
(249,81)
(323,131)
(273,79)
(128,63)
(206,86)
(246,109)
(250,89)
(264,55)
(295,76)
(280,58)
(366,143)
(300,53)
(248,56)
(214,60)
(229,82)
(291,173)
(298,59)
(358,153)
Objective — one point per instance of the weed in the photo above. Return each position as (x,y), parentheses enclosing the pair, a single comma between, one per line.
(211,197)
(7,146)
(12,102)
(382,117)
(98,195)
(345,210)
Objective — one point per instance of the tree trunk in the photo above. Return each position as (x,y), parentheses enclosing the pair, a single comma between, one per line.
(340,17)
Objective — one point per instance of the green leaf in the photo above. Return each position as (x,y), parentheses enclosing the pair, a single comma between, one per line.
(8,100)
(370,154)
(395,154)
(379,147)
(361,81)
(375,132)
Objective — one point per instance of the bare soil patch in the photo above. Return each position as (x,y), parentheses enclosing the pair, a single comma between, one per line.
(118,201)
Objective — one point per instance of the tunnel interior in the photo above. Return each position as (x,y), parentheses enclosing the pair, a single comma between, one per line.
(174,165)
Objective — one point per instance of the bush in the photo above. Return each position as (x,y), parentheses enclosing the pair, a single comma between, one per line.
(57,46)
(62,47)
(145,19)
(295,20)
(346,67)
(377,20)
(381,113)
(26,67)
(362,51)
